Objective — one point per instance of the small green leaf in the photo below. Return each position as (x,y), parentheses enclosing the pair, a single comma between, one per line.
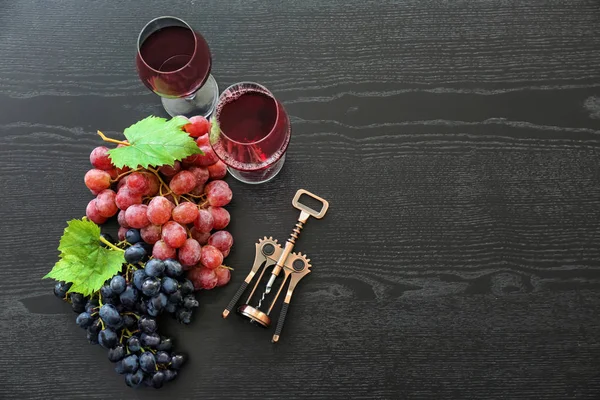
(154,141)
(78,236)
(84,262)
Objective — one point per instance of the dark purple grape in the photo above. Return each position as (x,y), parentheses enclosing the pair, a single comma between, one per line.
(147,324)
(163,358)
(177,361)
(150,339)
(117,353)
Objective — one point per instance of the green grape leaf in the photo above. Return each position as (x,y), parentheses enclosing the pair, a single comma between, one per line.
(84,262)
(154,141)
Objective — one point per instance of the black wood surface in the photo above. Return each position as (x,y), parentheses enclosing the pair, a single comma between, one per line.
(458,144)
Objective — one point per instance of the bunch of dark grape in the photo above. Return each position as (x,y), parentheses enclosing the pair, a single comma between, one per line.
(160,286)
(121,316)
(178,209)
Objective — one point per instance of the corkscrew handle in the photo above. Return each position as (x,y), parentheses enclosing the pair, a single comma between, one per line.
(307,210)
(280,322)
(235,299)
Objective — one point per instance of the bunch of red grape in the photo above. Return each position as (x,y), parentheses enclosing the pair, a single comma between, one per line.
(178,209)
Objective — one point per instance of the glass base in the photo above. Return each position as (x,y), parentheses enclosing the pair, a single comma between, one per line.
(203,102)
(256,177)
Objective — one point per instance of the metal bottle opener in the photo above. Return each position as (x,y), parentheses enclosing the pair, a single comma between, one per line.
(269,253)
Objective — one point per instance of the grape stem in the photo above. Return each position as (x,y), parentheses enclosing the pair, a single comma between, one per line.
(226,267)
(162,183)
(124,174)
(186,199)
(134,314)
(109,244)
(107,139)
(201,196)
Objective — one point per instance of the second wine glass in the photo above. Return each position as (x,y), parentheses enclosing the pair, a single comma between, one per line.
(251,132)
(174,61)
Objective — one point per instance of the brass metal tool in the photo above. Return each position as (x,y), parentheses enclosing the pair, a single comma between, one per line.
(269,253)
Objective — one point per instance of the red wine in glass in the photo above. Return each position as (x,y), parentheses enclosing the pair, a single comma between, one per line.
(251,132)
(174,61)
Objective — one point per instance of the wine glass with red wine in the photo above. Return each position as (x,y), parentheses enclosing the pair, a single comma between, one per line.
(174,62)
(251,132)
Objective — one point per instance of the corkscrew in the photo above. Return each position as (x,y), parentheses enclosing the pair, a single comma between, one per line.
(269,253)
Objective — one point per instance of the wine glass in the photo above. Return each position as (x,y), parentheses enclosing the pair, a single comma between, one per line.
(174,62)
(251,132)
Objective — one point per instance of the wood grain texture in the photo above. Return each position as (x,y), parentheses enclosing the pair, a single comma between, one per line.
(457,142)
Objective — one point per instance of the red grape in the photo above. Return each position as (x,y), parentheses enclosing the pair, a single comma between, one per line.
(203,278)
(198,190)
(122,182)
(92,213)
(151,233)
(174,234)
(125,198)
(185,213)
(97,179)
(209,157)
(121,233)
(113,172)
(222,240)
(105,203)
(226,253)
(162,251)
(183,182)
(189,253)
(153,184)
(220,216)
(201,175)
(218,193)
(124,168)
(211,257)
(204,222)
(203,140)
(100,159)
(189,161)
(136,216)
(201,237)
(218,170)
(170,171)
(138,183)
(159,210)
(121,219)
(223,276)
(198,126)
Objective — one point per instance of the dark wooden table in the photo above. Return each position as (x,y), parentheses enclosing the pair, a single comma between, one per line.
(457,141)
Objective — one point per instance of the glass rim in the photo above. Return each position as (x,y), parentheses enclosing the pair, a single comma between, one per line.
(266,92)
(166,17)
